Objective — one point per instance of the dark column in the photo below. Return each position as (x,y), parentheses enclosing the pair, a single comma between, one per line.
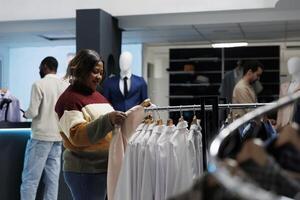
(98,30)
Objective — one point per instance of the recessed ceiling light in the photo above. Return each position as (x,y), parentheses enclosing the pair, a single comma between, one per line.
(228,45)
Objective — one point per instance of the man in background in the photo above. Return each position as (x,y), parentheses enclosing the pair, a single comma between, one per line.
(243,91)
(43,150)
(231,78)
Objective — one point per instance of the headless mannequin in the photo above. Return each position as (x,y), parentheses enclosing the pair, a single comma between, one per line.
(125,62)
(114,88)
(294,71)
(286,114)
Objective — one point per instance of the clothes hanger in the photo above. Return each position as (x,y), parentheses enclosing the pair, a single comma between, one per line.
(159,122)
(290,134)
(253,150)
(146,103)
(181,115)
(170,122)
(194,121)
(229,118)
(148,119)
(3,91)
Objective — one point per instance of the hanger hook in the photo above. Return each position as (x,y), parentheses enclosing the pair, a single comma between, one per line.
(194,110)
(180,108)
(157,112)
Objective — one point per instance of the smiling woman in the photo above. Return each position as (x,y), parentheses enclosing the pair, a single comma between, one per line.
(86,121)
(87,69)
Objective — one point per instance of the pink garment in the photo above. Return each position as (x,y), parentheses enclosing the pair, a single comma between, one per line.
(118,145)
(285,114)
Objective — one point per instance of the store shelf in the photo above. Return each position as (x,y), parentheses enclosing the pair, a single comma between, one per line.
(189,96)
(214,59)
(194,84)
(252,58)
(212,64)
(194,72)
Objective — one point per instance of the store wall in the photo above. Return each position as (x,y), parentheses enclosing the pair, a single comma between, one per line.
(286,53)
(155,63)
(24,64)
(136,51)
(4,57)
(20,66)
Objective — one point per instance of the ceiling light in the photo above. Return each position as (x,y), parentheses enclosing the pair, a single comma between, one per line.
(228,45)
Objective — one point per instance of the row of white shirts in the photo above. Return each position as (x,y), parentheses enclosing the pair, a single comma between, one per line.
(160,161)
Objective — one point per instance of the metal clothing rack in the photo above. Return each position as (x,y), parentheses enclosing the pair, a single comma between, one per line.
(221,173)
(206,107)
(209,115)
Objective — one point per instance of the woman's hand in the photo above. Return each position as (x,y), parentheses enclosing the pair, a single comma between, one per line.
(117,117)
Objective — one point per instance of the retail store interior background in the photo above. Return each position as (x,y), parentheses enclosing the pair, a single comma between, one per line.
(161,43)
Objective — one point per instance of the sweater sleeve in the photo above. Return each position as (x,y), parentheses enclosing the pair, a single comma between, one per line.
(35,102)
(81,133)
(98,128)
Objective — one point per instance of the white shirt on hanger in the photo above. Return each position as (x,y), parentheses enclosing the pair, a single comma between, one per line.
(161,162)
(148,183)
(195,148)
(118,145)
(124,189)
(179,176)
(140,148)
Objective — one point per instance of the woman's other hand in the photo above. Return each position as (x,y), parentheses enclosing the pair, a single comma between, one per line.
(117,117)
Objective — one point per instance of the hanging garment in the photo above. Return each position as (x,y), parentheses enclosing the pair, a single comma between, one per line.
(262,130)
(161,162)
(118,146)
(157,163)
(271,177)
(206,188)
(126,184)
(195,149)
(179,176)
(286,114)
(13,112)
(296,117)
(287,156)
(140,148)
(148,183)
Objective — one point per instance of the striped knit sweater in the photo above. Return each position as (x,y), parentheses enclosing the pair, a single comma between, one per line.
(85,128)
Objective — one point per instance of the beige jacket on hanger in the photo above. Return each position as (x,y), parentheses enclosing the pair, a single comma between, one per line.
(285,114)
(118,145)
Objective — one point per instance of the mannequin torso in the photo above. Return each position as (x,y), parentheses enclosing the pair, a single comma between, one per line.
(125,70)
(114,87)
(294,71)
(286,114)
